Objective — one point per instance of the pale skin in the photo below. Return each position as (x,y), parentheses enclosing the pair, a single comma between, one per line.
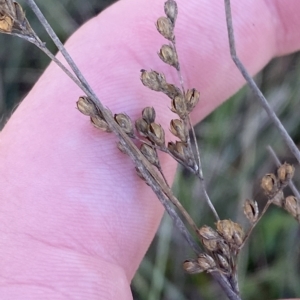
(75,220)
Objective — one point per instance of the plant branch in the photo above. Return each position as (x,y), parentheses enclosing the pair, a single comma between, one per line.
(263,101)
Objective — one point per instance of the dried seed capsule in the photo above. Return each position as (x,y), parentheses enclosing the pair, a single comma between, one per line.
(86,106)
(150,153)
(192,98)
(251,210)
(142,127)
(285,172)
(223,263)
(171,10)
(100,123)
(156,134)
(168,55)
(291,205)
(209,238)
(178,129)
(153,80)
(178,106)
(165,27)
(230,231)
(171,91)
(192,267)
(149,114)
(125,123)
(269,184)
(6,24)
(206,262)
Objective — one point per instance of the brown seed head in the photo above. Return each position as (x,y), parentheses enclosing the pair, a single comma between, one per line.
(86,106)
(251,210)
(178,129)
(153,80)
(165,27)
(171,10)
(192,98)
(156,134)
(100,123)
(150,153)
(269,184)
(149,114)
(169,56)
(285,172)
(125,123)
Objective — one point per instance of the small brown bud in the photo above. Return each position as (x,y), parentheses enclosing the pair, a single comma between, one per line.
(165,27)
(206,262)
(192,98)
(171,91)
(291,205)
(150,154)
(179,107)
(285,172)
(125,123)
(209,238)
(156,134)
(149,114)
(141,126)
(122,148)
(251,210)
(178,129)
(100,123)
(6,24)
(269,184)
(86,106)
(171,10)
(153,80)
(223,263)
(208,233)
(230,231)
(192,267)
(168,55)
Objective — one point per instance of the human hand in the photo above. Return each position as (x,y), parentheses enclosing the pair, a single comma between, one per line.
(75,219)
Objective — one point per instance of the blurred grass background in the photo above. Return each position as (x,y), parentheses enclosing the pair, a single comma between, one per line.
(233,143)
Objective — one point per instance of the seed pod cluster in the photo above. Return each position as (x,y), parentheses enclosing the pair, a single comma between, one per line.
(216,245)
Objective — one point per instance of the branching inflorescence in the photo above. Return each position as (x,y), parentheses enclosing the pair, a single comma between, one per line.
(221,245)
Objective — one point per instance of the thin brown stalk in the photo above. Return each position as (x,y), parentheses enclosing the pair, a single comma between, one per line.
(262,100)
